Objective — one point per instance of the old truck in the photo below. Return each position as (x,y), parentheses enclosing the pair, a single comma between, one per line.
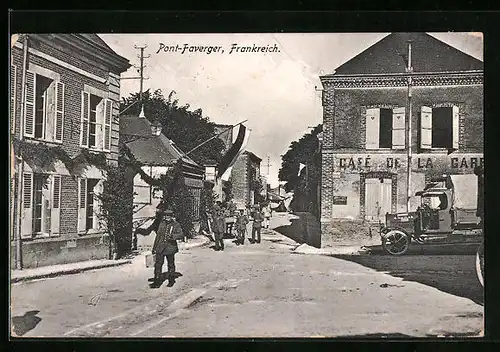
(451,211)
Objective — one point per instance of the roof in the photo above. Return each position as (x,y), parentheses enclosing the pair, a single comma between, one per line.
(428,55)
(252,156)
(149,149)
(95,39)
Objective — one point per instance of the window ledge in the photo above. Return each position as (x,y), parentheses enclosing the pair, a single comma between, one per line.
(39,140)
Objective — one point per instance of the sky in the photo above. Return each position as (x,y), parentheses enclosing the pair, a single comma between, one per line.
(275,91)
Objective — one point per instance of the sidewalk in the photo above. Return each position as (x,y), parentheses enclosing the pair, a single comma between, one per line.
(272,235)
(74,268)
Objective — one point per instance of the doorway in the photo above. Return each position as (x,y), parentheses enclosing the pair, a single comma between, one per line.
(378,198)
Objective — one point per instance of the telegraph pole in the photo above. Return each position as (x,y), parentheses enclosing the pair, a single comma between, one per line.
(409,71)
(140,69)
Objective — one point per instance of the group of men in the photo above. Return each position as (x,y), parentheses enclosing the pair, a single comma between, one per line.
(166,228)
(219,228)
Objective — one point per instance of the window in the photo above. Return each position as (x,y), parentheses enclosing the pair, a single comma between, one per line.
(89,204)
(44,109)
(94,102)
(42,94)
(439,127)
(41,204)
(385,128)
(96,122)
(91,183)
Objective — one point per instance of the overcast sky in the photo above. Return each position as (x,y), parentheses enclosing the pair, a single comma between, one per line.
(274,91)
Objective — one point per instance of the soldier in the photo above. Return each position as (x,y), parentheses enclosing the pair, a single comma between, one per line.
(258,218)
(164,245)
(241,227)
(219,226)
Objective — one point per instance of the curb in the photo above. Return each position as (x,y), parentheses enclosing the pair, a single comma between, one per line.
(68,271)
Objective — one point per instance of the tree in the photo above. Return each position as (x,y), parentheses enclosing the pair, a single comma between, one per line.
(304,186)
(186,128)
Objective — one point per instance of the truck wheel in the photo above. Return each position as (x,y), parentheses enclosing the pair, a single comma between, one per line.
(480,264)
(396,242)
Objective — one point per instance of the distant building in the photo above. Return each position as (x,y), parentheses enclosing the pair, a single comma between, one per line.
(367,116)
(72,98)
(246,171)
(158,154)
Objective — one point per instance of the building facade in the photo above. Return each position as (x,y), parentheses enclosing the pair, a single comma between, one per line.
(69,107)
(246,171)
(407,109)
(157,154)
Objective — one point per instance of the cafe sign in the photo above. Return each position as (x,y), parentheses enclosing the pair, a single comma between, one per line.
(398,162)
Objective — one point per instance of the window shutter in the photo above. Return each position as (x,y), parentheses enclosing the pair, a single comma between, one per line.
(455,126)
(29,106)
(107,125)
(84,134)
(56,205)
(82,204)
(426,127)
(59,120)
(372,128)
(398,128)
(13,73)
(99,128)
(27,209)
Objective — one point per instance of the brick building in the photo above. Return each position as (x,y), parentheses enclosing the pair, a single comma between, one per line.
(408,100)
(71,102)
(246,171)
(226,136)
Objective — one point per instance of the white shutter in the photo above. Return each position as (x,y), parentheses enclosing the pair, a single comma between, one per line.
(372,128)
(82,204)
(99,128)
(97,204)
(29,106)
(13,80)
(398,128)
(59,114)
(84,127)
(27,208)
(56,205)
(426,127)
(107,125)
(455,126)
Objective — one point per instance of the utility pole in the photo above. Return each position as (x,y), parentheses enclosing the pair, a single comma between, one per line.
(409,71)
(140,69)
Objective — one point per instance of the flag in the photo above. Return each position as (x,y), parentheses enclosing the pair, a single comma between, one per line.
(301,166)
(225,166)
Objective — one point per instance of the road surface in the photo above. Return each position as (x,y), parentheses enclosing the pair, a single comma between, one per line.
(256,290)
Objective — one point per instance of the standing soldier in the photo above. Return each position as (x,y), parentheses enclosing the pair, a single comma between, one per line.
(165,245)
(241,227)
(258,218)
(267,215)
(219,227)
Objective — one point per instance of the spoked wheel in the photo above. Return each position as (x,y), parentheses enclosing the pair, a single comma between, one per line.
(396,242)
(480,264)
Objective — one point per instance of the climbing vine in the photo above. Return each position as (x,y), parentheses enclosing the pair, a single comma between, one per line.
(175,194)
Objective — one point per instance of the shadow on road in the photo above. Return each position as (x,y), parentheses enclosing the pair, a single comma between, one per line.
(454,274)
(292,231)
(22,324)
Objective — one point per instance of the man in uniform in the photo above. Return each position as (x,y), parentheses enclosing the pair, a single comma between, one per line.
(219,226)
(165,245)
(241,227)
(258,218)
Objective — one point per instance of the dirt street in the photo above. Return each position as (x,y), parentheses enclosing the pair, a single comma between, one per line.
(255,290)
